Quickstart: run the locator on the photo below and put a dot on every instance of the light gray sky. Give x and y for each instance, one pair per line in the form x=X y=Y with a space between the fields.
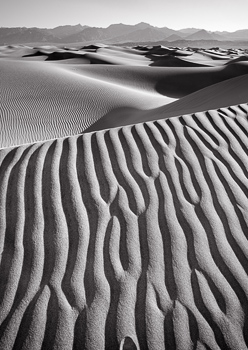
x=176 y=14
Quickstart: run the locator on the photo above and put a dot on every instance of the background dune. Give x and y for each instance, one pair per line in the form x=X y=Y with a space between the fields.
x=42 y=101
x=132 y=237
x=216 y=96
x=56 y=91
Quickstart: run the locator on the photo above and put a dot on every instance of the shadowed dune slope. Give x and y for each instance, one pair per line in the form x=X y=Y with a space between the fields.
x=232 y=91
x=47 y=100
x=128 y=238
x=175 y=82
x=220 y=95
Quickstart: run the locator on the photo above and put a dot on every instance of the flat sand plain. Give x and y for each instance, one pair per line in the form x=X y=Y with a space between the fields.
x=123 y=198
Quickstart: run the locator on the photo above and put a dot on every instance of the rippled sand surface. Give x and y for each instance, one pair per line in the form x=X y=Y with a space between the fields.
x=133 y=234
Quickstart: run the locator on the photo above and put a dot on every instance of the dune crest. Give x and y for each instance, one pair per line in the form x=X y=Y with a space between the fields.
x=128 y=238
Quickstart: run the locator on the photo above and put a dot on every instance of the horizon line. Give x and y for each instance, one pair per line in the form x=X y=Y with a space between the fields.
x=104 y=27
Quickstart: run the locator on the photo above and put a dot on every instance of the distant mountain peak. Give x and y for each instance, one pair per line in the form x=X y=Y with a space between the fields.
x=189 y=30
x=201 y=34
x=142 y=25
x=174 y=37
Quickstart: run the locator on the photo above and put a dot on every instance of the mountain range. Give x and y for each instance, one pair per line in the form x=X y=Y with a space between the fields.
x=114 y=34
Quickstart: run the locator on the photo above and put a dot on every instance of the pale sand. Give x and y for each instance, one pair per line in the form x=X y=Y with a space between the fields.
x=133 y=237
x=49 y=92
x=136 y=232
x=232 y=91
x=43 y=101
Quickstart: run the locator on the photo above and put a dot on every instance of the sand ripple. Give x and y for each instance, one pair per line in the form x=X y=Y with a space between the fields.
x=128 y=238
x=42 y=101
x=48 y=92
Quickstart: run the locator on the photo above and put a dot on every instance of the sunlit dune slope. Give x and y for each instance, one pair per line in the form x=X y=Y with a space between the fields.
x=49 y=92
x=41 y=101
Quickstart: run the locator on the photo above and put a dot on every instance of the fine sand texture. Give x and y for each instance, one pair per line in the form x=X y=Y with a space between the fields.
x=129 y=238
x=123 y=198
x=48 y=92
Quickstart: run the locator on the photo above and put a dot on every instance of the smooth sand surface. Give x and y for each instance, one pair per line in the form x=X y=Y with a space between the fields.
x=129 y=237
x=232 y=91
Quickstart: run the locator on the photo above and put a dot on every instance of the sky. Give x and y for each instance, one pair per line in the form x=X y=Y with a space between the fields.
x=175 y=14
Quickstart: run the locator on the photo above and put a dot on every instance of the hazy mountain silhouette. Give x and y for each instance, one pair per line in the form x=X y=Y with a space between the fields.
x=141 y=34
x=174 y=37
x=115 y=33
x=64 y=31
x=25 y=35
x=204 y=35
x=188 y=31
x=239 y=34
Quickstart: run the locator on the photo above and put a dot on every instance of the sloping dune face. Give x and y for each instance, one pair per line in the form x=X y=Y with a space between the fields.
x=128 y=238
x=49 y=92
x=42 y=101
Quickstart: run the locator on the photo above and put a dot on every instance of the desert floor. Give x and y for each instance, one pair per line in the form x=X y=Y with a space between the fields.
x=123 y=198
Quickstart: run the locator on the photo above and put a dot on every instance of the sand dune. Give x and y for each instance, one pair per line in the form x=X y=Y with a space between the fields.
x=217 y=96
x=42 y=101
x=49 y=92
x=128 y=238
x=123 y=198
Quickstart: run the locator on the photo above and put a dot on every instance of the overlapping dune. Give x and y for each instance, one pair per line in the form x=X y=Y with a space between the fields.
x=49 y=92
x=43 y=101
x=129 y=237
x=217 y=96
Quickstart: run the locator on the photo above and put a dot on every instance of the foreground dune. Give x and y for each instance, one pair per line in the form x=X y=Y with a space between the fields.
x=128 y=238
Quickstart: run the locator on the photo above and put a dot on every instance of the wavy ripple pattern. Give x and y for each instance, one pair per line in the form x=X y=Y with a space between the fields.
x=47 y=101
x=128 y=238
